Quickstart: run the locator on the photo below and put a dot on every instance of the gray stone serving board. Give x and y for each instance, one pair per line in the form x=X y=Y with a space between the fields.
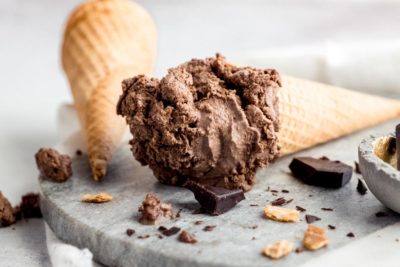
x=102 y=227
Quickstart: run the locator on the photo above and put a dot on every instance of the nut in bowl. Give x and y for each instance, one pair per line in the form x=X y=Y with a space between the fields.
x=378 y=159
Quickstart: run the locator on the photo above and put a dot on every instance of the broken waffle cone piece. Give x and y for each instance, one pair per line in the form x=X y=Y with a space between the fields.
x=312 y=113
x=105 y=41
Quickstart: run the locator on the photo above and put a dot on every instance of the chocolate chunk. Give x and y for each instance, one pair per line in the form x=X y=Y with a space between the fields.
x=299 y=250
x=312 y=218
x=301 y=209
x=327 y=209
x=351 y=235
x=30 y=206
x=209 y=228
x=278 y=202
x=357 y=167
x=285 y=191
x=154 y=211
x=274 y=191
x=7 y=216
x=361 y=187
x=185 y=237
x=332 y=227
x=52 y=165
x=130 y=232
x=78 y=152
x=397 y=145
x=215 y=200
x=171 y=231
x=323 y=173
x=381 y=214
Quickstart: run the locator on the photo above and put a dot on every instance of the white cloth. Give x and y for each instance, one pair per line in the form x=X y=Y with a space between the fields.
x=367 y=66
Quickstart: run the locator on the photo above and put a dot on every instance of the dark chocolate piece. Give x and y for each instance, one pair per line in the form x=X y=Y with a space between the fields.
x=332 y=227
x=215 y=200
x=162 y=228
x=185 y=237
x=299 y=250
x=357 y=167
x=78 y=152
x=178 y=214
x=361 y=187
x=30 y=206
x=312 y=218
x=301 y=209
x=327 y=209
x=171 y=231
x=130 y=232
x=278 y=202
x=255 y=226
x=198 y=222
x=380 y=214
x=143 y=236
x=274 y=191
x=285 y=191
x=289 y=201
x=209 y=228
x=321 y=172
x=53 y=165
x=253 y=205
x=351 y=235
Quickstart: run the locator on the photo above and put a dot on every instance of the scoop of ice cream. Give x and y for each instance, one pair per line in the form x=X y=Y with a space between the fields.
x=206 y=120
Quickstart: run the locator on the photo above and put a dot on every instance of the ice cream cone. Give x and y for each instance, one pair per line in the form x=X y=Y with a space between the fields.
x=312 y=113
x=105 y=41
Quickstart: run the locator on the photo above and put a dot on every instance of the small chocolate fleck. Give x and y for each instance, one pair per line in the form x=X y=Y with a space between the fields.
x=285 y=191
x=130 y=232
x=299 y=250
x=312 y=218
x=171 y=231
x=301 y=209
x=268 y=189
x=327 y=209
x=288 y=201
x=198 y=222
x=324 y=158
x=253 y=205
x=274 y=194
x=278 y=202
x=397 y=240
x=209 y=228
x=357 y=167
x=253 y=238
x=255 y=226
x=185 y=237
x=361 y=187
x=178 y=214
x=143 y=236
x=78 y=152
x=274 y=191
x=351 y=235
x=381 y=214
x=160 y=236
x=332 y=227
x=310 y=195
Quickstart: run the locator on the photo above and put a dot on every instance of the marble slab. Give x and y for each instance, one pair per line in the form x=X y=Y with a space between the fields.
x=234 y=242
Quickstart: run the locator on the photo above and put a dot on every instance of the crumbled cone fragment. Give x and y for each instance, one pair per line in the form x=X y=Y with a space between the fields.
x=278 y=249
x=154 y=211
x=280 y=214
x=97 y=198
x=315 y=238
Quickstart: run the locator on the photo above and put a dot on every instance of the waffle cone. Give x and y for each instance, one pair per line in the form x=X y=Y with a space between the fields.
x=105 y=41
x=312 y=113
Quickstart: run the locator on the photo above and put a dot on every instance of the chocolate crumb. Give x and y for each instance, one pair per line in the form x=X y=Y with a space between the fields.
x=324 y=158
x=209 y=228
x=143 y=236
x=185 y=237
x=78 y=152
x=255 y=226
x=327 y=209
x=53 y=165
x=357 y=167
x=299 y=250
x=278 y=202
x=160 y=236
x=178 y=214
x=380 y=214
x=198 y=222
x=288 y=201
x=268 y=189
x=130 y=232
x=274 y=191
x=301 y=209
x=253 y=205
x=274 y=194
x=312 y=218
x=310 y=195
x=351 y=235
x=332 y=227
x=171 y=231
x=30 y=206
x=285 y=191
x=154 y=211
x=361 y=187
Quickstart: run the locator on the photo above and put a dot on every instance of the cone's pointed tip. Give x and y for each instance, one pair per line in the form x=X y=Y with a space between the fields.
x=99 y=169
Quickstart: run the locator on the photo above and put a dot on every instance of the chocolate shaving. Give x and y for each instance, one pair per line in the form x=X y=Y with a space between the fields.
x=178 y=214
x=299 y=250
x=274 y=191
x=278 y=202
x=301 y=209
x=285 y=191
x=361 y=187
x=130 y=232
x=162 y=228
x=209 y=228
x=253 y=205
x=312 y=218
x=327 y=209
x=332 y=227
x=268 y=189
x=171 y=231
x=143 y=236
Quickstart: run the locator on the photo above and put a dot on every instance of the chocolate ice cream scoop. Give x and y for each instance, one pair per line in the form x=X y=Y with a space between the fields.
x=206 y=120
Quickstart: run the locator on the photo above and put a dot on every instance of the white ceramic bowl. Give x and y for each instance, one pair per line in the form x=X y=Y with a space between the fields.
x=382 y=179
